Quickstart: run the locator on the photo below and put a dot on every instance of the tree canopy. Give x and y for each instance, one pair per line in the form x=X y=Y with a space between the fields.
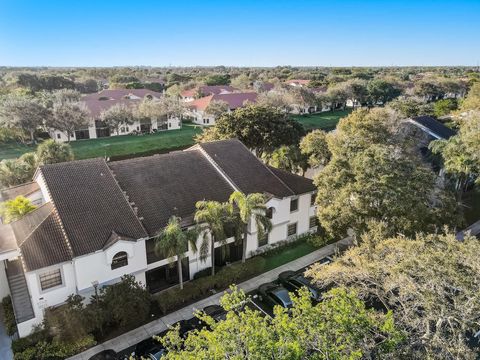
x=374 y=175
x=15 y=209
x=340 y=327
x=260 y=128
x=429 y=282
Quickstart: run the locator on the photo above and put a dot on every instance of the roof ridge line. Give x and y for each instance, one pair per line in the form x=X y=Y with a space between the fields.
x=57 y=214
x=269 y=170
x=36 y=227
x=217 y=167
x=123 y=192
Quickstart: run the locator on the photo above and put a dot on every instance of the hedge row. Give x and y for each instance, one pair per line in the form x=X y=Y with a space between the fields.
x=9 y=316
x=197 y=289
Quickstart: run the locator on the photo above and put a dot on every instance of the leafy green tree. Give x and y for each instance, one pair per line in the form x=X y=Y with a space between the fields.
x=428 y=89
x=127 y=302
x=461 y=153
x=356 y=90
x=340 y=327
x=315 y=146
x=287 y=158
x=116 y=116
x=411 y=107
x=23 y=112
x=69 y=116
x=260 y=128
x=162 y=109
x=374 y=175
x=173 y=241
x=51 y=152
x=472 y=100
x=382 y=91
x=217 y=108
x=242 y=82
x=430 y=283
x=217 y=79
x=17 y=171
x=251 y=207
x=15 y=209
x=337 y=95
x=279 y=99
x=444 y=107
x=211 y=217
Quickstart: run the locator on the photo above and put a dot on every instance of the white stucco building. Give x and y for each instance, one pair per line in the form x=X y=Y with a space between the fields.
x=103 y=100
x=97 y=221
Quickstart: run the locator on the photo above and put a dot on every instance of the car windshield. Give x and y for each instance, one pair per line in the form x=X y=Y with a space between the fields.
x=282 y=297
x=158 y=354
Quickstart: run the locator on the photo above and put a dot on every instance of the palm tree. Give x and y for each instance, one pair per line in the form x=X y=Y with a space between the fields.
x=251 y=205
x=173 y=242
x=210 y=218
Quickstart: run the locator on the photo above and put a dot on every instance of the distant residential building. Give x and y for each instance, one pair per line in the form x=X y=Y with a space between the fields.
x=205 y=90
x=98 y=102
x=298 y=82
x=197 y=108
x=97 y=221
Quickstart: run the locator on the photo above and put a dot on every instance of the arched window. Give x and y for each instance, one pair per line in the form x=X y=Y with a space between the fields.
x=120 y=259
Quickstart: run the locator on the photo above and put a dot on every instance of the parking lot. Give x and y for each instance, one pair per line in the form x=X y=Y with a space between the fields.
x=262 y=299
x=125 y=343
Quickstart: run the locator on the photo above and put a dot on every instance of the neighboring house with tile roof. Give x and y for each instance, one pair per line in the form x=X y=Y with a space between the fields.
x=98 y=102
x=197 y=108
x=205 y=90
x=298 y=82
x=97 y=221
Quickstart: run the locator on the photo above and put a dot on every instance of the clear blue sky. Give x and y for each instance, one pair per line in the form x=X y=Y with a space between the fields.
x=245 y=33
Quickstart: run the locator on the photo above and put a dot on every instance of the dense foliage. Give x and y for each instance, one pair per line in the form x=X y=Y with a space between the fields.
x=429 y=282
x=260 y=128
x=340 y=327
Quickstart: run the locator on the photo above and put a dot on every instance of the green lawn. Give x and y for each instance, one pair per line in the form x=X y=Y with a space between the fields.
x=326 y=120
x=287 y=254
x=120 y=146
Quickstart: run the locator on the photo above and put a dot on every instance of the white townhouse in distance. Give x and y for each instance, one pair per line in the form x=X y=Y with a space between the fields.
x=97 y=220
x=198 y=108
x=105 y=99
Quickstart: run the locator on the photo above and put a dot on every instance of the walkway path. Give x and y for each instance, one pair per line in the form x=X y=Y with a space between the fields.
x=134 y=336
x=5 y=342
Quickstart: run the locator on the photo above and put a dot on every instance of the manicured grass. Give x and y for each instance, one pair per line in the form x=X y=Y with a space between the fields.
x=287 y=254
x=120 y=146
x=326 y=120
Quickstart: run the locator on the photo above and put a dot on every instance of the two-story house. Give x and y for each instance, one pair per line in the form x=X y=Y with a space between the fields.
x=198 y=109
x=98 y=220
x=105 y=99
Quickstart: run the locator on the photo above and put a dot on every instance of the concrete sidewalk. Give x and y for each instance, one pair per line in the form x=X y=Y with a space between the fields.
x=134 y=336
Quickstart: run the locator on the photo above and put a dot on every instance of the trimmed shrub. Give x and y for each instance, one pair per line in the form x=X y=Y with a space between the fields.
x=44 y=350
x=202 y=287
x=9 y=316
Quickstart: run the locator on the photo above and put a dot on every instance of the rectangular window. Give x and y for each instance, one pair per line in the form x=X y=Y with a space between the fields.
x=313 y=221
x=58 y=136
x=292 y=229
x=50 y=279
x=312 y=199
x=262 y=241
x=293 y=205
x=152 y=256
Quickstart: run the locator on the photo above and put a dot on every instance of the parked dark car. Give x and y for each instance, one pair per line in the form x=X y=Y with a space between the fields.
x=189 y=325
x=105 y=355
x=275 y=294
x=325 y=260
x=149 y=349
x=293 y=281
x=216 y=312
